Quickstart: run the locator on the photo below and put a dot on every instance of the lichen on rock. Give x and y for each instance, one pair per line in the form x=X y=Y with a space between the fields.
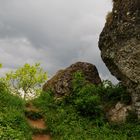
x=120 y=46
x=61 y=83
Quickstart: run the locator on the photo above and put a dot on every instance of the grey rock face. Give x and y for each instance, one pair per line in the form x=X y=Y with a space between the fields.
x=120 y=46
x=61 y=83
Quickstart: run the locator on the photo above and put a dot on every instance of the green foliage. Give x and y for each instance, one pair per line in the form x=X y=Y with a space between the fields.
x=78 y=81
x=111 y=94
x=0 y=65
x=13 y=125
x=86 y=97
x=28 y=78
x=80 y=116
x=88 y=102
x=3 y=86
x=132 y=117
x=65 y=123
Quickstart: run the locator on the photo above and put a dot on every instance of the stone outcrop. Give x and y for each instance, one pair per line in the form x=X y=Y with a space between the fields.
x=61 y=83
x=119 y=113
x=120 y=46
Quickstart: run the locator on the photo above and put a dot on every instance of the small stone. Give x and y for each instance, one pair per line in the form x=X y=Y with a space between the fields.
x=128 y=13
x=118 y=113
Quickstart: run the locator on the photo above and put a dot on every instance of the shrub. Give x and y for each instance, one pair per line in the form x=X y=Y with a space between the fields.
x=3 y=86
x=86 y=97
x=88 y=102
x=90 y=99
x=78 y=81
x=80 y=116
x=13 y=125
x=111 y=94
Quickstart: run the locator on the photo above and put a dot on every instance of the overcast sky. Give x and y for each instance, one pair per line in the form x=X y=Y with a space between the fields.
x=55 y=33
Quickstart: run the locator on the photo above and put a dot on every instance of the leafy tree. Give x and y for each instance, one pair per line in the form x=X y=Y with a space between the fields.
x=28 y=79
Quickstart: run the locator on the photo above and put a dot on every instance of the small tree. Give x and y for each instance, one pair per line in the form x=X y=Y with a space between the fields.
x=27 y=78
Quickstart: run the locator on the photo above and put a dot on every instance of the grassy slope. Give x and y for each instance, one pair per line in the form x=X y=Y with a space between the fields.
x=62 y=117
x=13 y=125
x=65 y=124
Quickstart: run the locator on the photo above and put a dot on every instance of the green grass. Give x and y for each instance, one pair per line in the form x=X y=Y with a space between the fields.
x=13 y=125
x=81 y=115
x=65 y=123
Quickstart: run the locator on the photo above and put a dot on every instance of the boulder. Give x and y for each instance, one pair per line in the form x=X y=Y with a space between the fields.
x=61 y=83
x=119 y=43
x=119 y=113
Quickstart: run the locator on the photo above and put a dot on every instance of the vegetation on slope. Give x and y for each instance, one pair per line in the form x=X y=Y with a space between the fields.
x=81 y=116
x=13 y=125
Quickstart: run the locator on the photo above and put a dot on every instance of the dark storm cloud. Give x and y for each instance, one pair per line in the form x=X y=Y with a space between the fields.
x=56 y=33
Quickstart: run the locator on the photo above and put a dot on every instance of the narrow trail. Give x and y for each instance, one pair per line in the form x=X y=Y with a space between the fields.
x=36 y=121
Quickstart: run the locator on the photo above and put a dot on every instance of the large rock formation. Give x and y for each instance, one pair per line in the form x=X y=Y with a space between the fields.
x=120 y=46
x=61 y=83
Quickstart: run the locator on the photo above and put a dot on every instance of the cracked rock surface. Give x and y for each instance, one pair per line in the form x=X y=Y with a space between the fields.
x=119 y=43
x=61 y=83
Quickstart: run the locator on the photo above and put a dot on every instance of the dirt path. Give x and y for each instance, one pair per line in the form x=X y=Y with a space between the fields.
x=37 y=122
x=41 y=137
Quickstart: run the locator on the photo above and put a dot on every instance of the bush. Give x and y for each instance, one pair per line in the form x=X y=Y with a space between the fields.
x=111 y=94
x=65 y=123
x=88 y=102
x=78 y=81
x=80 y=116
x=3 y=86
x=90 y=99
x=86 y=97
x=13 y=125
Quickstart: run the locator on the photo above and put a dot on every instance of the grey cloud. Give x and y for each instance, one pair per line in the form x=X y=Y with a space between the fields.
x=56 y=33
